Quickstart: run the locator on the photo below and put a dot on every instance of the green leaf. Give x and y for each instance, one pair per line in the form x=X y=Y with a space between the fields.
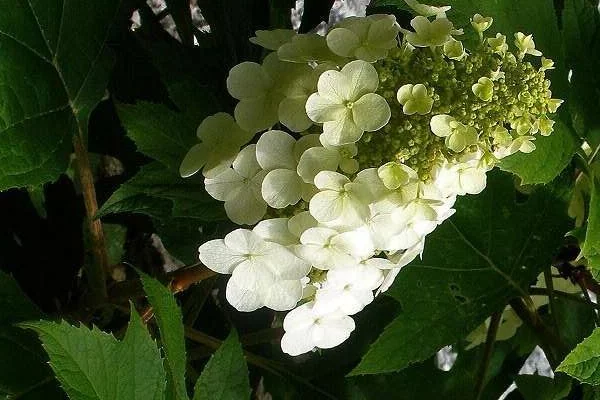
x=91 y=364
x=591 y=246
x=115 y=241
x=158 y=192
x=535 y=387
x=170 y=324
x=53 y=72
x=473 y=264
x=27 y=375
x=226 y=373
x=552 y=154
x=582 y=363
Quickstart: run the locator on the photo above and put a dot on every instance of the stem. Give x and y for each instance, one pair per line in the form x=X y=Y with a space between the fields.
x=548 y=340
x=97 y=269
x=551 y=302
x=261 y=362
x=590 y=302
x=487 y=353
x=564 y=295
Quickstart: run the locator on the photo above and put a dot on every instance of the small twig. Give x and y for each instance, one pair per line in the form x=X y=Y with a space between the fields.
x=97 y=269
x=564 y=295
x=487 y=353
x=261 y=362
x=589 y=301
x=548 y=340
x=551 y=301
x=262 y=336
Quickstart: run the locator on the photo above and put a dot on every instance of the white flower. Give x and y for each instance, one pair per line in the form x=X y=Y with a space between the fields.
x=454 y=49
x=415 y=221
x=276 y=230
x=339 y=201
x=348 y=288
x=415 y=99
x=458 y=136
x=367 y=39
x=481 y=23
x=306 y=328
x=326 y=248
x=430 y=33
x=317 y=159
x=547 y=64
x=524 y=144
x=272 y=39
x=498 y=44
x=346 y=103
x=240 y=188
x=221 y=139
x=526 y=45
x=260 y=90
x=307 y=48
x=427 y=10
x=401 y=259
x=277 y=152
x=484 y=88
x=263 y=273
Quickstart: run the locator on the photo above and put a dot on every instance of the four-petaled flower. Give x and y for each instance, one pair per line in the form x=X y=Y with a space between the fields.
x=484 y=88
x=346 y=103
x=367 y=39
x=264 y=273
x=481 y=23
x=221 y=139
x=526 y=45
x=458 y=136
x=430 y=33
x=414 y=99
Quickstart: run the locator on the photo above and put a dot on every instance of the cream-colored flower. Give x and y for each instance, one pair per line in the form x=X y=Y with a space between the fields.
x=414 y=99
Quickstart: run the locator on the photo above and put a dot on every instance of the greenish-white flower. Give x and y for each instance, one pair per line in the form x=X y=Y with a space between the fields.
x=221 y=139
x=553 y=104
x=454 y=49
x=240 y=188
x=481 y=23
x=346 y=104
x=524 y=144
x=484 y=88
x=546 y=125
x=414 y=99
x=394 y=175
x=430 y=33
x=272 y=39
x=498 y=44
x=317 y=159
x=546 y=64
x=526 y=45
x=427 y=10
x=307 y=48
x=367 y=39
x=458 y=136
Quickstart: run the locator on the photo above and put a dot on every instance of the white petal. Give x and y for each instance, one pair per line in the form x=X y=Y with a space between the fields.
x=292 y=113
x=193 y=161
x=301 y=222
x=341 y=131
x=247 y=80
x=296 y=342
x=333 y=330
x=326 y=206
x=357 y=243
x=218 y=257
x=221 y=186
x=248 y=286
x=322 y=109
x=315 y=160
x=275 y=230
x=363 y=78
x=283 y=263
x=440 y=125
x=331 y=180
x=283 y=295
x=473 y=180
x=257 y=114
x=371 y=112
x=245 y=208
x=272 y=39
x=245 y=163
x=335 y=86
x=342 y=41
x=275 y=149
x=281 y=188
x=244 y=241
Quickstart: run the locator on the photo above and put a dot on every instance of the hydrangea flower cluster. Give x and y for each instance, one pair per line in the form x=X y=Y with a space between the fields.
x=346 y=150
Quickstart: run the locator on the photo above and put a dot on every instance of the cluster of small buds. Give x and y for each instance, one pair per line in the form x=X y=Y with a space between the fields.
x=346 y=150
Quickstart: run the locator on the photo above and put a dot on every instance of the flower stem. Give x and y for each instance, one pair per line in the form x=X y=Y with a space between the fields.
x=487 y=353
